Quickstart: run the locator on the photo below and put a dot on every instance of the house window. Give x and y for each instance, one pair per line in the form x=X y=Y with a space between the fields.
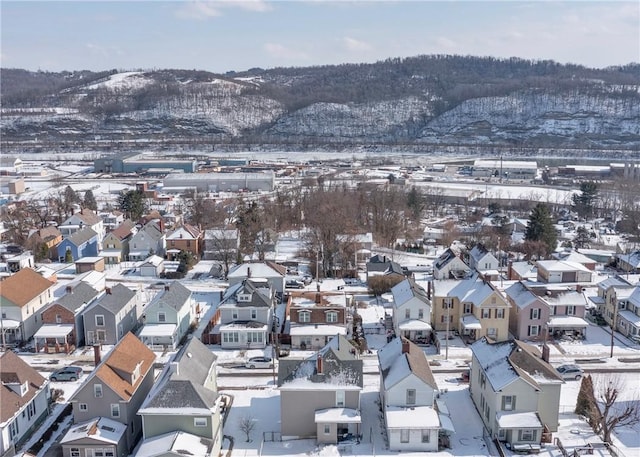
x=200 y=421
x=486 y=313
x=332 y=316
x=533 y=330
x=404 y=435
x=500 y=313
x=468 y=308
x=411 y=396
x=13 y=428
x=426 y=436
x=234 y=314
x=58 y=319
x=571 y=310
x=327 y=429
x=231 y=337
x=254 y=337
x=508 y=402
x=254 y=314
x=339 y=398
x=188 y=243
x=492 y=332
x=162 y=317
x=74 y=452
x=534 y=313
x=304 y=316
x=99 y=320
x=115 y=410
x=407 y=313
x=97 y=390
x=108 y=453
x=420 y=313
x=83 y=407
x=445 y=318
x=527 y=435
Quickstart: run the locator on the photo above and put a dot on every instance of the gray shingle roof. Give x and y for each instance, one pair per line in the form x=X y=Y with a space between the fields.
x=120 y=295
x=175 y=297
x=182 y=393
x=82 y=236
x=79 y=295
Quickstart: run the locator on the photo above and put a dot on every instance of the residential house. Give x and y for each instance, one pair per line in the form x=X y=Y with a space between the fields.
x=629 y=263
x=320 y=395
x=522 y=271
x=567 y=309
x=117 y=388
x=315 y=318
x=450 y=265
x=22 y=298
x=112 y=315
x=221 y=244
x=116 y=243
x=483 y=261
x=99 y=436
x=268 y=270
x=111 y=219
x=48 y=236
x=411 y=311
x=246 y=314
x=360 y=244
x=561 y=271
x=382 y=265
x=147 y=241
x=628 y=318
x=185 y=398
x=20 y=261
x=62 y=323
x=528 y=313
x=80 y=220
x=575 y=256
x=153 y=267
x=473 y=307
x=612 y=295
x=24 y=401
x=81 y=243
x=515 y=391
x=167 y=317
x=185 y=238
x=407 y=395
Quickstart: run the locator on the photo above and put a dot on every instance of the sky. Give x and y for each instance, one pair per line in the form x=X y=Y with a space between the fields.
x=222 y=36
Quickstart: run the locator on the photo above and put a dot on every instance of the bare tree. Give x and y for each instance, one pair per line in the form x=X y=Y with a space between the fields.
x=247 y=424
x=606 y=411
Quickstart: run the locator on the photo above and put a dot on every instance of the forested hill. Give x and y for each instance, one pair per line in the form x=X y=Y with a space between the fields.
x=416 y=102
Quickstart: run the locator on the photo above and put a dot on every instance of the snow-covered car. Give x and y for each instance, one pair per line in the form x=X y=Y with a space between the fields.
x=570 y=372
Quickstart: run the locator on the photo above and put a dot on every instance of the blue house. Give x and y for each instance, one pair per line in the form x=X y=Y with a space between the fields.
x=83 y=243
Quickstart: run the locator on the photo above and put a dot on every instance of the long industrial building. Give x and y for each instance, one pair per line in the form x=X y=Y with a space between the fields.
x=220 y=182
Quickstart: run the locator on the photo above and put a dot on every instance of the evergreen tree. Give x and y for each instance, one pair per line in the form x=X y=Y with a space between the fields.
x=133 y=204
x=584 y=201
x=540 y=227
x=586 y=399
x=90 y=201
x=582 y=238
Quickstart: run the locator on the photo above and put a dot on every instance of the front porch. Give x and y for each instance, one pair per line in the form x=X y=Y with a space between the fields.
x=159 y=336
x=470 y=328
x=244 y=335
x=10 y=332
x=519 y=429
x=313 y=336
x=416 y=331
x=55 y=338
x=567 y=327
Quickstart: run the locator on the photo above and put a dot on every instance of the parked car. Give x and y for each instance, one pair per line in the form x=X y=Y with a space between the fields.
x=294 y=284
x=570 y=372
x=70 y=373
x=259 y=362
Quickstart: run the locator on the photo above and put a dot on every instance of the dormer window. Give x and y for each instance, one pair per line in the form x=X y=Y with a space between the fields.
x=332 y=316
x=304 y=316
x=244 y=298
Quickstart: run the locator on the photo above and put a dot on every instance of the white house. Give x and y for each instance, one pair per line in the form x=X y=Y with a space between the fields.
x=411 y=311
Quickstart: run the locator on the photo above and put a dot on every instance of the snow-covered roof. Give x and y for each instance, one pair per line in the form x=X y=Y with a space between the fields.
x=54 y=331
x=100 y=429
x=630 y=317
x=567 y=321
x=177 y=443
x=321 y=329
x=398 y=362
x=473 y=290
x=470 y=322
x=335 y=415
x=151 y=330
x=520 y=295
x=406 y=290
x=511 y=419
x=417 y=417
x=414 y=324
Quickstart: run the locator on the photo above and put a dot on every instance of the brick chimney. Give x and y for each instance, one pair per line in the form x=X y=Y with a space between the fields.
x=96 y=354
x=510 y=271
x=248 y=272
x=319 y=364
x=318 y=299
x=108 y=290
x=406 y=346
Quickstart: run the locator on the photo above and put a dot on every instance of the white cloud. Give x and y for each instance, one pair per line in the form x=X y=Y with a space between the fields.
x=202 y=10
x=356 y=45
x=283 y=52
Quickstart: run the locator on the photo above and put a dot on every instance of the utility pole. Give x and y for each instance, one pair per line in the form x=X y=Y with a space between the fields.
x=613 y=321
x=446 y=338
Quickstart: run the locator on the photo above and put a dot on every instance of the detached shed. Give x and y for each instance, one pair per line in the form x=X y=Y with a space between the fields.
x=89 y=264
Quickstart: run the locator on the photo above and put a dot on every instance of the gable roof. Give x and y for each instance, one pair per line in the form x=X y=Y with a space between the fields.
x=175 y=295
x=14 y=370
x=86 y=215
x=175 y=444
x=186 y=232
x=408 y=289
x=123 y=230
x=125 y=357
x=115 y=300
x=101 y=429
x=396 y=364
x=473 y=290
x=23 y=286
x=82 y=236
x=256 y=270
x=507 y=361
x=521 y=295
x=82 y=294
x=260 y=295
